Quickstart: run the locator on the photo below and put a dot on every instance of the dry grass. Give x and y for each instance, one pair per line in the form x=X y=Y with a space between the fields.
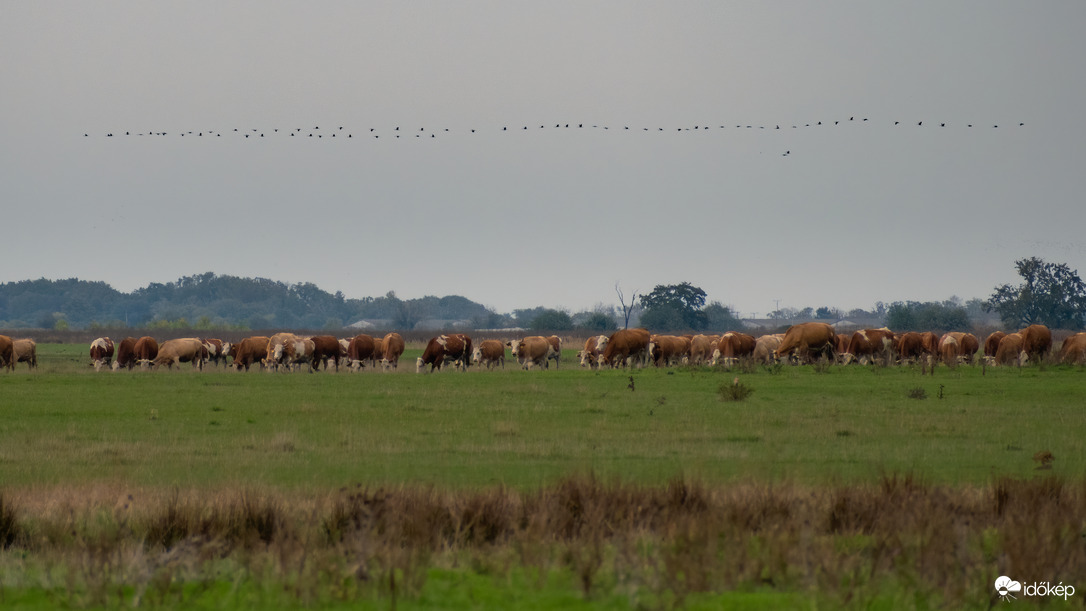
x=664 y=543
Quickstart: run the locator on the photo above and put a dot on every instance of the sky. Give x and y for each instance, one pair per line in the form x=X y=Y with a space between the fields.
x=893 y=197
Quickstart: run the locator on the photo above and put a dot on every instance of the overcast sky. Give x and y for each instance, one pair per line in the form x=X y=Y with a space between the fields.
x=874 y=208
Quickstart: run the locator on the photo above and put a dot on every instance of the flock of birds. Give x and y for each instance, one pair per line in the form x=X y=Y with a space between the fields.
x=422 y=132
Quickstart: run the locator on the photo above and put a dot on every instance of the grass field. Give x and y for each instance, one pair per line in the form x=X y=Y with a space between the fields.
x=197 y=441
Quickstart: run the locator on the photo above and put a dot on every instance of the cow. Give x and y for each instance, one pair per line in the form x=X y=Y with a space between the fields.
x=701 y=349
x=867 y=345
x=671 y=349
x=765 y=347
x=531 y=351
x=325 y=348
x=293 y=352
x=1073 y=350
x=126 y=354
x=24 y=351
x=929 y=345
x=991 y=345
x=276 y=355
x=489 y=353
x=840 y=344
x=7 y=352
x=392 y=347
x=216 y=350
x=804 y=340
x=250 y=350
x=181 y=350
x=1010 y=350
x=970 y=345
x=443 y=349
x=625 y=346
x=590 y=355
x=733 y=346
x=360 y=349
x=909 y=346
x=556 y=354
x=949 y=350
x=101 y=353
x=1036 y=341
x=145 y=351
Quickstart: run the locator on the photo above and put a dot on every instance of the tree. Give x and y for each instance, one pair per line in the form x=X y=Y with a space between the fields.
x=1052 y=294
x=598 y=321
x=627 y=310
x=927 y=316
x=719 y=317
x=673 y=307
x=552 y=320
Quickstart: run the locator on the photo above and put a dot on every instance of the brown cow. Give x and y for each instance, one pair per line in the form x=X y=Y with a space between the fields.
x=733 y=346
x=489 y=353
x=454 y=348
x=765 y=347
x=867 y=345
x=969 y=345
x=392 y=347
x=325 y=348
x=181 y=350
x=126 y=354
x=909 y=346
x=531 y=351
x=248 y=351
x=991 y=344
x=701 y=349
x=929 y=345
x=145 y=351
x=1073 y=350
x=101 y=353
x=556 y=354
x=24 y=351
x=949 y=350
x=671 y=349
x=840 y=344
x=1010 y=350
x=7 y=352
x=359 y=350
x=625 y=346
x=806 y=339
x=1036 y=341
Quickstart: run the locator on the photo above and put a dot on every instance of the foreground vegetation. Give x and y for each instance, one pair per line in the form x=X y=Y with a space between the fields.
x=853 y=486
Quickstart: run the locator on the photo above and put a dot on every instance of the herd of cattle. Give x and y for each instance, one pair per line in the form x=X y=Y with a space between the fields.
x=801 y=343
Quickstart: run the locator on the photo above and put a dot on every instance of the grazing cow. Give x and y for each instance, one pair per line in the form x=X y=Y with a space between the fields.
x=1010 y=350
x=866 y=345
x=360 y=349
x=1036 y=341
x=556 y=354
x=733 y=346
x=969 y=345
x=392 y=347
x=101 y=353
x=489 y=353
x=765 y=347
x=590 y=355
x=701 y=349
x=444 y=349
x=145 y=351
x=991 y=345
x=1073 y=350
x=325 y=348
x=909 y=346
x=7 y=352
x=248 y=351
x=949 y=350
x=929 y=345
x=126 y=354
x=531 y=351
x=216 y=350
x=805 y=340
x=840 y=344
x=182 y=350
x=24 y=351
x=625 y=346
x=671 y=349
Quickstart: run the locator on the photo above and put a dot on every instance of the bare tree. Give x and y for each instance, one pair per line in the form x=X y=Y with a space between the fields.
x=627 y=310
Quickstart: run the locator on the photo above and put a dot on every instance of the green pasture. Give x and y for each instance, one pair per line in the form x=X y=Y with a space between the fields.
x=63 y=423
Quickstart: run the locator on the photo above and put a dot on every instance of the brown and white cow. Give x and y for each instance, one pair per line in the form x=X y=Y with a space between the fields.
x=556 y=354
x=1010 y=351
x=217 y=350
x=1073 y=350
x=325 y=348
x=589 y=357
x=733 y=346
x=625 y=347
x=950 y=350
x=7 y=352
x=531 y=351
x=765 y=347
x=453 y=348
x=909 y=346
x=145 y=351
x=292 y=354
x=701 y=349
x=970 y=345
x=991 y=345
x=489 y=353
x=359 y=350
x=1036 y=341
x=24 y=351
x=392 y=347
x=869 y=344
x=248 y=351
x=181 y=350
x=668 y=350
x=807 y=340
x=276 y=355
x=101 y=353
x=840 y=344
x=126 y=354
x=929 y=345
